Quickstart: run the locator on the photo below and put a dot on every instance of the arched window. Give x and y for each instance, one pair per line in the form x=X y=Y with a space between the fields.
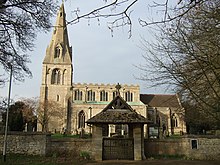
x=90 y=95
x=57 y=52
x=69 y=115
x=64 y=77
x=103 y=96
x=58 y=98
x=77 y=95
x=81 y=116
x=114 y=94
x=55 y=79
x=174 y=120
x=128 y=96
x=58 y=77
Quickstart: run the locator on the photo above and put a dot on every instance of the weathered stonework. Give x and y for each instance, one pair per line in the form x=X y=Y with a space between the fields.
x=70 y=146
x=207 y=147
x=97 y=142
x=138 y=142
x=26 y=143
x=42 y=144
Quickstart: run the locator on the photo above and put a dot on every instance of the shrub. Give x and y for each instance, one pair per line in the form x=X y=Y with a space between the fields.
x=85 y=155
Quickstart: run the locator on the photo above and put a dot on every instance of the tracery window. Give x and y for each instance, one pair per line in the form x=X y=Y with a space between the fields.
x=81 y=121
x=128 y=96
x=77 y=95
x=90 y=95
x=103 y=96
x=56 y=76
x=174 y=121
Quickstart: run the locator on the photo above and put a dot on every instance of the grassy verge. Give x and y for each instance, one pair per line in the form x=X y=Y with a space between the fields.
x=85 y=136
x=178 y=157
x=18 y=159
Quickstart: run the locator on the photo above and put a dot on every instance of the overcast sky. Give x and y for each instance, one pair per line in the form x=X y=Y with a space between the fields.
x=97 y=56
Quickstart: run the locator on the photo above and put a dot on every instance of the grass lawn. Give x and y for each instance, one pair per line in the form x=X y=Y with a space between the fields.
x=17 y=159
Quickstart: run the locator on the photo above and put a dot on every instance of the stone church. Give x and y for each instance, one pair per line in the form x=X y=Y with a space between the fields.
x=81 y=101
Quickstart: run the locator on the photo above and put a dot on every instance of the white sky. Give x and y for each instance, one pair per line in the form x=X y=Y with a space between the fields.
x=97 y=56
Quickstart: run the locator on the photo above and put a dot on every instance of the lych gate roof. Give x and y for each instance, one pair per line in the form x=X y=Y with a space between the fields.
x=118 y=112
x=160 y=100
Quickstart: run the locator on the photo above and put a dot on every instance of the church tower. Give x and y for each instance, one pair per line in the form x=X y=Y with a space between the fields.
x=57 y=72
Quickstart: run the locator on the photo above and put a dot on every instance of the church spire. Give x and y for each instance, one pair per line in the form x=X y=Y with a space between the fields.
x=59 y=50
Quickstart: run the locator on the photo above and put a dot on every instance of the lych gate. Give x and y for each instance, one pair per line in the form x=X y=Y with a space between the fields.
x=126 y=142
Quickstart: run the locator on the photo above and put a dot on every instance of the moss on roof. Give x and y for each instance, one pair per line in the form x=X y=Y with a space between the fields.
x=118 y=111
x=115 y=116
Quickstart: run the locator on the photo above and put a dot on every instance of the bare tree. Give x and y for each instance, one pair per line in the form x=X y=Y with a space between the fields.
x=3 y=104
x=119 y=12
x=47 y=111
x=20 y=20
x=29 y=112
x=187 y=55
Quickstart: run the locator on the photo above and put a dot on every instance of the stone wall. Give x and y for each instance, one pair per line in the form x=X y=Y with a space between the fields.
x=26 y=143
x=43 y=144
x=70 y=146
x=193 y=147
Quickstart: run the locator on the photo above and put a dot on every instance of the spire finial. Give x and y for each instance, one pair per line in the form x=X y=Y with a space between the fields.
x=118 y=87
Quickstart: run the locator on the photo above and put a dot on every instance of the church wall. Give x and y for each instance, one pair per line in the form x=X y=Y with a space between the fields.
x=92 y=109
x=110 y=88
x=164 y=114
x=141 y=109
x=96 y=106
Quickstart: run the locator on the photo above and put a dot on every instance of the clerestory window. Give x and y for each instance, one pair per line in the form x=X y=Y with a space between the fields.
x=77 y=95
x=103 y=96
x=114 y=94
x=90 y=95
x=128 y=96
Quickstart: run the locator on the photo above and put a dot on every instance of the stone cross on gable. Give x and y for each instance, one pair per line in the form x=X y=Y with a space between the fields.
x=118 y=87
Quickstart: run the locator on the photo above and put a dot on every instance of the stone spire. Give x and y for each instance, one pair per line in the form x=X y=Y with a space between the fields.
x=59 y=50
